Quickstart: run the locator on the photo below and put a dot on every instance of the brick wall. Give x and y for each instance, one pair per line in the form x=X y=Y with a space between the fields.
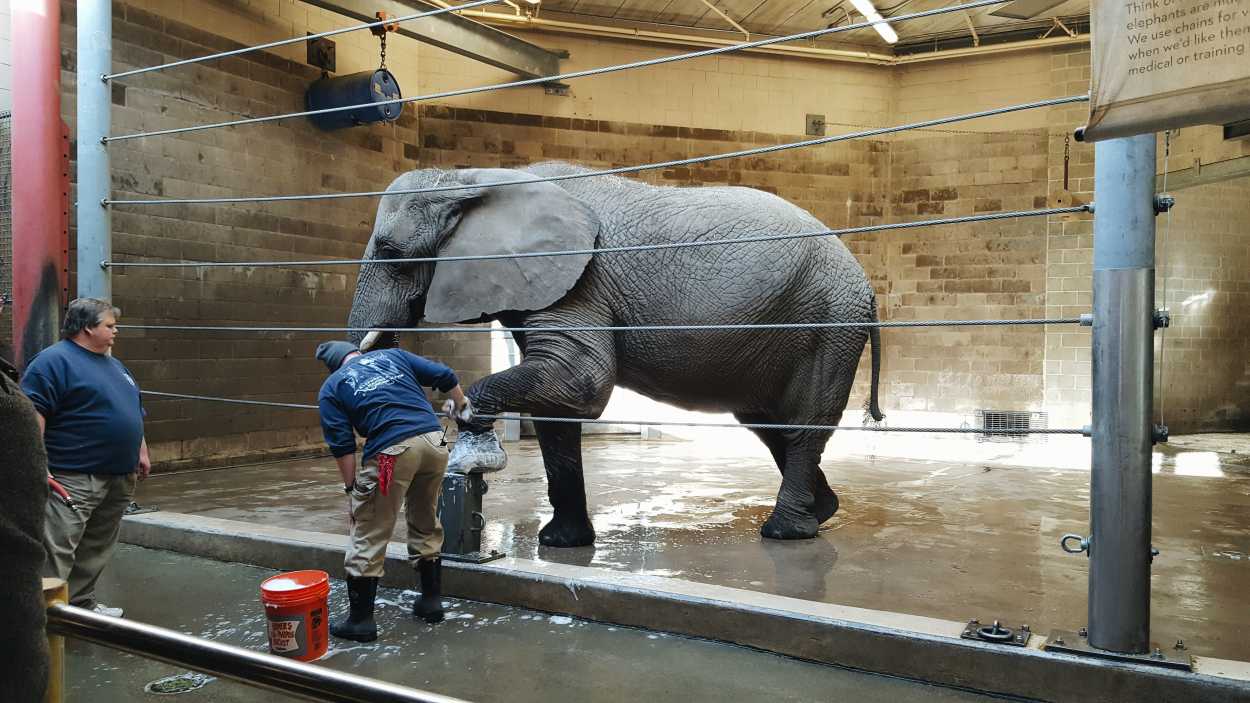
x=1203 y=278
x=6 y=213
x=1069 y=245
x=842 y=184
x=746 y=92
x=988 y=270
x=1027 y=268
x=6 y=58
x=6 y=236
x=283 y=157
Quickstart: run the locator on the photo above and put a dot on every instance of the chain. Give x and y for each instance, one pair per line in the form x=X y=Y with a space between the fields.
x=1067 y=154
x=384 y=27
x=1167 y=228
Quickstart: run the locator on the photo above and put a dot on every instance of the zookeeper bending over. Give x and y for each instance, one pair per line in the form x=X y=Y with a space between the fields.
x=379 y=396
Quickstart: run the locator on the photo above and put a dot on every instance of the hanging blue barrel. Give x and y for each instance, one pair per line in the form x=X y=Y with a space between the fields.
x=355 y=89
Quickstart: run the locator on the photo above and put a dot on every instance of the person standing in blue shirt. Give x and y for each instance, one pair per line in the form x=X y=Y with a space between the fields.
x=92 y=422
x=380 y=396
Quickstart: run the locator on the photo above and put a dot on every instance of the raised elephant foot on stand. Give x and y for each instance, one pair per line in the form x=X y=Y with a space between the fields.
x=477 y=451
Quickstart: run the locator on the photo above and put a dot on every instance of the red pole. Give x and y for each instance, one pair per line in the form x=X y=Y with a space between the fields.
x=40 y=259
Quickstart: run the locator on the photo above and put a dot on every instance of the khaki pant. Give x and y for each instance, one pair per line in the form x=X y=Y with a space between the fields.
x=418 y=479
x=80 y=544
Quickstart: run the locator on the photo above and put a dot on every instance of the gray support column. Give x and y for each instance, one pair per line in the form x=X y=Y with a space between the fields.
x=1123 y=359
x=95 y=58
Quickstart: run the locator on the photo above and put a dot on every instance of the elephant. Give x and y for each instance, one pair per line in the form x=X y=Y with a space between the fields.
x=774 y=376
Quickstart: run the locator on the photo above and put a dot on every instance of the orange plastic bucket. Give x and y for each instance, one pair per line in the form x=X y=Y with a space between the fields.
x=296 y=606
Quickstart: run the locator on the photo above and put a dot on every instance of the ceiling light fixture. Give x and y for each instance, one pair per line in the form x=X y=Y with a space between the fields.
x=870 y=13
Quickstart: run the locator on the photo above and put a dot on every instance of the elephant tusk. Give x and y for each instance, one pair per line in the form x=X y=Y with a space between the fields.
x=370 y=339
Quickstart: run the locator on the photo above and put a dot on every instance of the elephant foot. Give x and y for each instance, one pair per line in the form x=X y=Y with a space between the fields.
x=567 y=533
x=779 y=527
x=478 y=452
x=826 y=506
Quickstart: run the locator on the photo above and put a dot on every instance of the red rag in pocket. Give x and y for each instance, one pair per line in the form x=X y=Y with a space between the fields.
x=386 y=471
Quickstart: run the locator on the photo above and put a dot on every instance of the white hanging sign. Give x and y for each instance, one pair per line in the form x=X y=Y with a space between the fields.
x=1163 y=64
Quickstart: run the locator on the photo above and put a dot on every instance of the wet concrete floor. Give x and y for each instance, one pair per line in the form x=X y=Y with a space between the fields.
x=970 y=532
x=481 y=653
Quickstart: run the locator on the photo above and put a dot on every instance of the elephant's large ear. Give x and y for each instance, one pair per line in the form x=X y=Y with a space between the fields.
x=506 y=220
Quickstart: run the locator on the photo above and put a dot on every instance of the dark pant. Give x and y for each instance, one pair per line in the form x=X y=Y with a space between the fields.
x=80 y=543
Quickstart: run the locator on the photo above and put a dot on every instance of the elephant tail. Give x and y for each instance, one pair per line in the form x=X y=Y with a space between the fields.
x=874 y=339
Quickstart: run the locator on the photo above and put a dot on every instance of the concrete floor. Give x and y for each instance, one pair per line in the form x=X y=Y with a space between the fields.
x=974 y=533
x=481 y=653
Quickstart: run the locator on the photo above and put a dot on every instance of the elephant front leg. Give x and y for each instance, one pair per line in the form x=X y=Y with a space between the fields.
x=563 y=375
x=570 y=526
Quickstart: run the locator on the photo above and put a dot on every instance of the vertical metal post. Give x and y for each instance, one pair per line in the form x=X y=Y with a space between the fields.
x=55 y=591
x=1123 y=359
x=95 y=59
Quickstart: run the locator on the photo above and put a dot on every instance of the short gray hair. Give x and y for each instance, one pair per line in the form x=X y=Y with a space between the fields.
x=85 y=313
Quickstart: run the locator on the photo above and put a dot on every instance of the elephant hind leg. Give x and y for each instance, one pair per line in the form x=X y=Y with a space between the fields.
x=775 y=440
x=805 y=499
x=824 y=500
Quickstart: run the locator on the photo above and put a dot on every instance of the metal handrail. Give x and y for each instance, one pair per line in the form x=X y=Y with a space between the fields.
x=266 y=671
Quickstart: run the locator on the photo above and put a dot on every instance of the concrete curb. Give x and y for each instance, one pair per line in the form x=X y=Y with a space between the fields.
x=913 y=647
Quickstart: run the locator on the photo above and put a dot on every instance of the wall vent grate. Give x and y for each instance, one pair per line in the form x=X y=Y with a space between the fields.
x=1010 y=420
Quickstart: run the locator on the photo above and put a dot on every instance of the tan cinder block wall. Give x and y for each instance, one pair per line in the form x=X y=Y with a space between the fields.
x=991 y=270
x=1203 y=278
x=284 y=157
x=843 y=184
x=755 y=92
x=935 y=89
x=1012 y=269
x=1070 y=246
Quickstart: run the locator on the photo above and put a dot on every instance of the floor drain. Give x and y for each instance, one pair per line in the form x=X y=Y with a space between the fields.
x=178 y=683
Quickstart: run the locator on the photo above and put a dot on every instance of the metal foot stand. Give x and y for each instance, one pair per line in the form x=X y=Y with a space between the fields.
x=460 y=510
x=1175 y=657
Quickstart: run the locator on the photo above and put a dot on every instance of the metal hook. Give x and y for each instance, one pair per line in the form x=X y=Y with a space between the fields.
x=1082 y=544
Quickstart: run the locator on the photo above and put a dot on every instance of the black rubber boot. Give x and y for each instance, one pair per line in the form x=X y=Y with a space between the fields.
x=429 y=607
x=358 y=625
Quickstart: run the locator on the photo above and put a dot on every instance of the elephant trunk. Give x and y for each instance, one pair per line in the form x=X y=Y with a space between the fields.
x=383 y=300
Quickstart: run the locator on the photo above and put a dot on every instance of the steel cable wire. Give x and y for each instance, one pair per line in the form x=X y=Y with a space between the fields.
x=757 y=151
x=663 y=423
x=891 y=324
x=565 y=76
x=966 y=219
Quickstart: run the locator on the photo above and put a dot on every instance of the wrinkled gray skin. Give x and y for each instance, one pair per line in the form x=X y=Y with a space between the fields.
x=782 y=376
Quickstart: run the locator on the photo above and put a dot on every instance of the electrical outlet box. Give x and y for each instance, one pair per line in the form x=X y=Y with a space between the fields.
x=815 y=125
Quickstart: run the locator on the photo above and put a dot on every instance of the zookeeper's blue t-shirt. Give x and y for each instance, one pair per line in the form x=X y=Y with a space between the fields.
x=91 y=406
x=380 y=396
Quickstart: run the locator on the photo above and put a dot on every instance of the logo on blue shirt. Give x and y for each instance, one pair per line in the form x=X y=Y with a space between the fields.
x=369 y=373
